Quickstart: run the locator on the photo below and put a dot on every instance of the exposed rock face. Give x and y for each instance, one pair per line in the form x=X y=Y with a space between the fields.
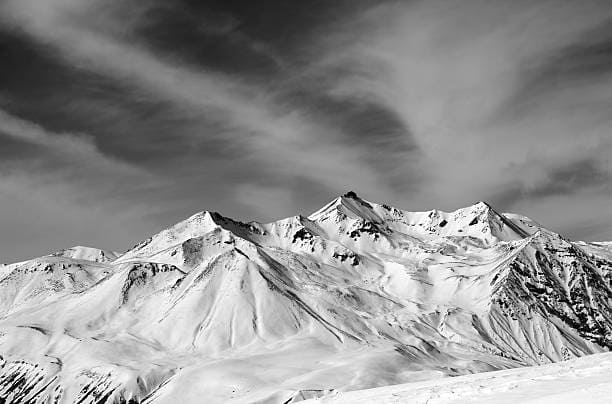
x=356 y=295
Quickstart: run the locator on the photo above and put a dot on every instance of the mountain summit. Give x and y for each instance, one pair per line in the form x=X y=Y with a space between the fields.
x=353 y=296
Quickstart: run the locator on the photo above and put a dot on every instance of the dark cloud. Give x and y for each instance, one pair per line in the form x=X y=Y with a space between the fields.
x=572 y=178
x=206 y=38
x=358 y=122
x=254 y=40
x=126 y=121
x=285 y=26
x=141 y=113
x=15 y=150
x=587 y=60
x=563 y=180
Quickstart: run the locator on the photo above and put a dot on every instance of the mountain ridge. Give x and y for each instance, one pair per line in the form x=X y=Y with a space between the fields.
x=413 y=294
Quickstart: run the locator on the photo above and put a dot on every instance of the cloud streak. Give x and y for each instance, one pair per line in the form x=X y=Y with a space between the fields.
x=249 y=115
x=498 y=95
x=76 y=147
x=263 y=112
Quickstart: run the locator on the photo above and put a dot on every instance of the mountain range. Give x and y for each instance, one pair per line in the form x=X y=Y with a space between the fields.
x=354 y=296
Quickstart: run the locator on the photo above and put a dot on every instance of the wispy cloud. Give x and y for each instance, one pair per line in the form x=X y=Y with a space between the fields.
x=68 y=192
x=420 y=104
x=249 y=115
x=498 y=95
x=79 y=148
x=275 y=144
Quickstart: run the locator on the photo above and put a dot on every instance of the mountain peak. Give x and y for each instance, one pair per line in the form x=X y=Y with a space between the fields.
x=351 y=194
x=479 y=207
x=482 y=205
x=427 y=289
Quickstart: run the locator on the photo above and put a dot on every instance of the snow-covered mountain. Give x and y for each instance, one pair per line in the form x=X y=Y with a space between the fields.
x=354 y=296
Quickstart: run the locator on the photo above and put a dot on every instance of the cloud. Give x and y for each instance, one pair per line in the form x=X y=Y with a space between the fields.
x=73 y=162
x=195 y=114
x=249 y=115
x=66 y=192
x=459 y=73
x=75 y=147
x=418 y=104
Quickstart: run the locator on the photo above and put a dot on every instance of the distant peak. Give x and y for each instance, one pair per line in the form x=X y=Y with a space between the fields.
x=204 y=213
x=482 y=204
x=75 y=249
x=351 y=194
x=214 y=214
x=86 y=253
x=479 y=207
x=208 y=216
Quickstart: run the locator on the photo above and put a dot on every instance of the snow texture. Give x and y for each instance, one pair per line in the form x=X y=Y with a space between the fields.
x=354 y=296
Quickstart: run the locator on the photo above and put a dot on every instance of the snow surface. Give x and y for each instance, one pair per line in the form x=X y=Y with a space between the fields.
x=87 y=254
x=582 y=380
x=354 y=296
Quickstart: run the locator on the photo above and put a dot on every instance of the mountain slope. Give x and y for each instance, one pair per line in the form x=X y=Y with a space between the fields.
x=353 y=296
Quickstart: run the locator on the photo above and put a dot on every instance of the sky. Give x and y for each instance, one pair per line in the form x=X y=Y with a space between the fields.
x=118 y=119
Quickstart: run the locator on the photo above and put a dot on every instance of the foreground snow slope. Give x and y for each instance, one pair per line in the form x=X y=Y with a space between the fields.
x=354 y=296
x=582 y=380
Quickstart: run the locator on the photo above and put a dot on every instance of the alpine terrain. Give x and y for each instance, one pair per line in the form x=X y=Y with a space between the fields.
x=355 y=296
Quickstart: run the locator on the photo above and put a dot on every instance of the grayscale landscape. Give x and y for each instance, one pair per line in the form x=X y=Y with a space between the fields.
x=272 y=202
x=354 y=296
